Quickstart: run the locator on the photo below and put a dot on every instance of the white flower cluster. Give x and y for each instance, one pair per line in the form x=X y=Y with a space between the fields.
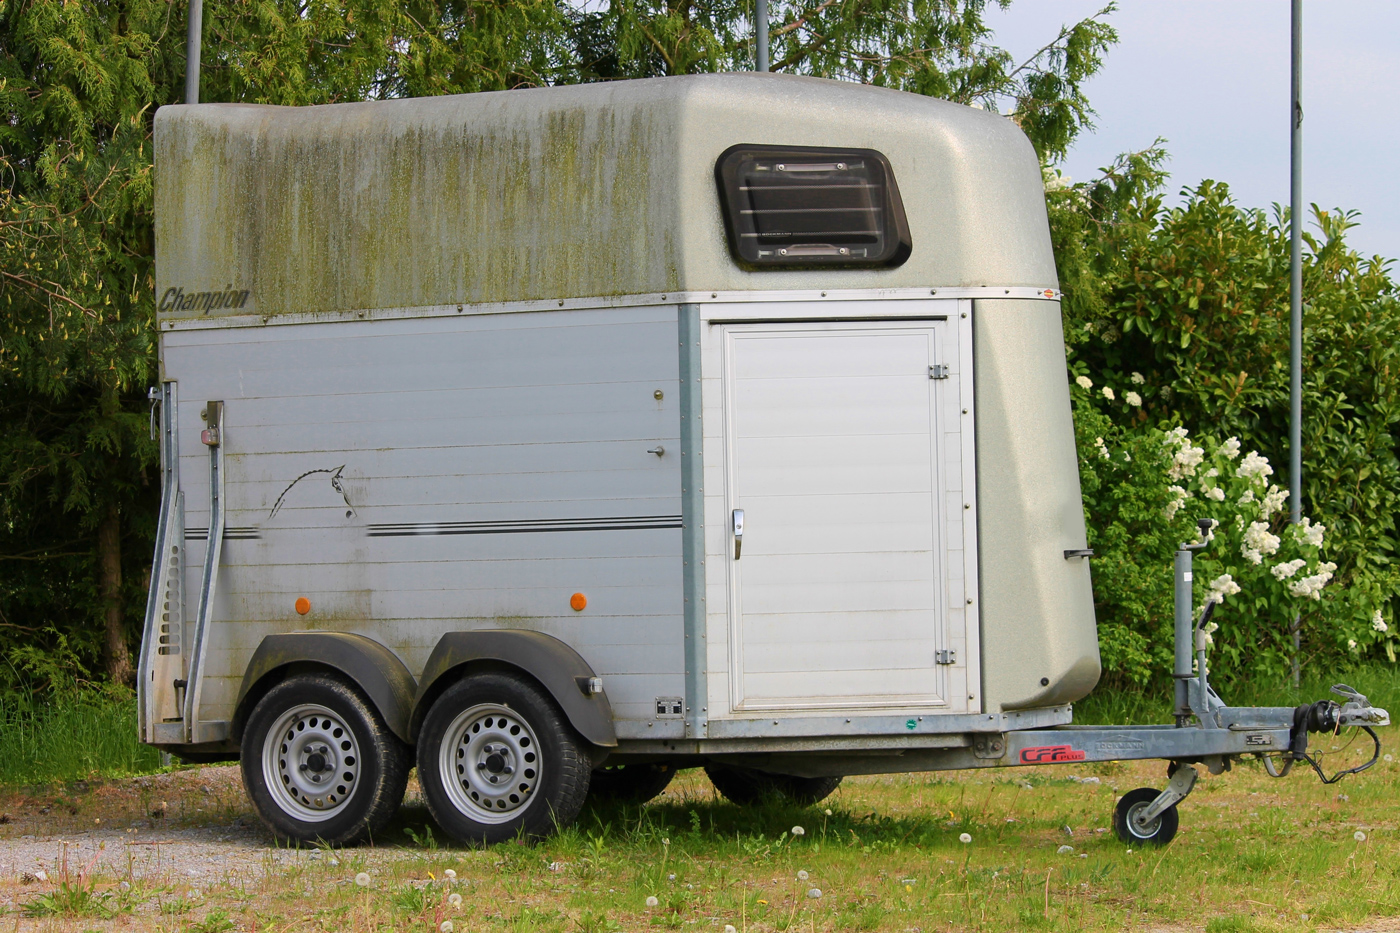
x=1216 y=493
x=1258 y=542
x=1253 y=466
x=1311 y=587
x=1222 y=586
x=1272 y=502
x=1230 y=449
x=1101 y=447
x=1133 y=399
x=1378 y=622
x=1186 y=458
x=1084 y=382
x=1136 y=379
x=1310 y=533
x=1179 y=497
x=1107 y=393
x=1287 y=569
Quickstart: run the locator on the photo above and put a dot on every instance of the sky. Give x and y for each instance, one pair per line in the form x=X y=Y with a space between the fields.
x=1212 y=78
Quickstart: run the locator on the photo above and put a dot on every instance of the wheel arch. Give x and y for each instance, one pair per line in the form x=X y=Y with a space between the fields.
x=555 y=666
x=370 y=666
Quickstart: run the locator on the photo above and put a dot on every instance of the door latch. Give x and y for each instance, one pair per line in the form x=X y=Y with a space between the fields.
x=738 y=532
x=946 y=656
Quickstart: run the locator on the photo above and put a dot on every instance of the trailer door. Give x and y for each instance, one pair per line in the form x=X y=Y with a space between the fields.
x=845 y=467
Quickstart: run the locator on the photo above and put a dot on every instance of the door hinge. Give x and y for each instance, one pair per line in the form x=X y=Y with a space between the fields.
x=946 y=656
x=938 y=371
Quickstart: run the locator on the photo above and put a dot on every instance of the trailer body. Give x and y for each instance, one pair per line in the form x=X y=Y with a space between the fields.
x=477 y=354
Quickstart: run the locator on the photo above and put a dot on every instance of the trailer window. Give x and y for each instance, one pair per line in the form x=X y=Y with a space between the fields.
x=790 y=207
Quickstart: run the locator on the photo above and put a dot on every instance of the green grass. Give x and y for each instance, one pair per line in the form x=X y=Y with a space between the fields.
x=61 y=739
x=1109 y=706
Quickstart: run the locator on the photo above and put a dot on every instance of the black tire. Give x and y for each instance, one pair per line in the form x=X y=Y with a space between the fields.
x=531 y=770
x=745 y=786
x=630 y=783
x=331 y=732
x=1158 y=833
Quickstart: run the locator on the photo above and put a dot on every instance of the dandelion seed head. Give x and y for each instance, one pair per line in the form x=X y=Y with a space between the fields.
x=445 y=926
x=802 y=874
x=814 y=893
x=965 y=838
x=1065 y=850
x=450 y=875
x=799 y=831
x=652 y=901
x=455 y=900
x=1359 y=836
x=362 y=879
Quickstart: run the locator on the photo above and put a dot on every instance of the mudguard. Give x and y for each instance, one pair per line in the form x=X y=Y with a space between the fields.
x=371 y=666
x=557 y=667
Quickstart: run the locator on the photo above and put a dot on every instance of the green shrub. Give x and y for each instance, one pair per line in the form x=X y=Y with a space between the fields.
x=1179 y=318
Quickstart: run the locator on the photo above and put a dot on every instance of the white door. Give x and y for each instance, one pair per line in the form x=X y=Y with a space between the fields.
x=839 y=446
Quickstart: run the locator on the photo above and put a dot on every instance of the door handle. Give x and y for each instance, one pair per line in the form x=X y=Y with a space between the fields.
x=738 y=532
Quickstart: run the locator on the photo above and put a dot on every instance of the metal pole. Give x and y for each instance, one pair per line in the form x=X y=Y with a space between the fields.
x=192 y=40
x=1295 y=373
x=761 y=41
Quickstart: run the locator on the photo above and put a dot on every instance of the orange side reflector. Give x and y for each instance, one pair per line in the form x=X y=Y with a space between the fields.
x=303 y=605
x=578 y=601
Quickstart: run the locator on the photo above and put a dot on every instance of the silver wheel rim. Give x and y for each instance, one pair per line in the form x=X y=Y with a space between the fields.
x=1142 y=832
x=490 y=763
x=311 y=763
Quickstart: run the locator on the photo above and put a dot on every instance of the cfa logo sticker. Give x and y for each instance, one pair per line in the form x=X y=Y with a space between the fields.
x=1049 y=754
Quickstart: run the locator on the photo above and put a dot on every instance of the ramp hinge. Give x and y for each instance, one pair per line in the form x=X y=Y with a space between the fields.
x=938 y=371
x=946 y=656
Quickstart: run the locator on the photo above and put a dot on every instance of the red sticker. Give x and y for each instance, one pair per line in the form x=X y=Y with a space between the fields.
x=1050 y=754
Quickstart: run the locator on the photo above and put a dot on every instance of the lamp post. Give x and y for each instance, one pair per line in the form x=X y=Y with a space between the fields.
x=192 y=39
x=1295 y=372
x=761 y=40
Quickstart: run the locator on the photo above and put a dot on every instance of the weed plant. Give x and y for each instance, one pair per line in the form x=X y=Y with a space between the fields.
x=71 y=736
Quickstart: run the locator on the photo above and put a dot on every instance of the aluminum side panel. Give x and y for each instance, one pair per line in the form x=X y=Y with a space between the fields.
x=415 y=477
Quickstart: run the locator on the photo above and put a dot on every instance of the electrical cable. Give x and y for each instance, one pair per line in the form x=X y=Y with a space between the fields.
x=1375 y=757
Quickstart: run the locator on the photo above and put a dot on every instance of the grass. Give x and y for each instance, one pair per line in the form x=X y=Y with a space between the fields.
x=1253 y=854
x=70 y=738
x=1109 y=706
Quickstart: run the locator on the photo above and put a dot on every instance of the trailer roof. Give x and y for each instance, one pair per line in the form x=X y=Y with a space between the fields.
x=556 y=193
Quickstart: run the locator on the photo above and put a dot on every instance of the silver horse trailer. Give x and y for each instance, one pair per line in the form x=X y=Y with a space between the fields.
x=565 y=437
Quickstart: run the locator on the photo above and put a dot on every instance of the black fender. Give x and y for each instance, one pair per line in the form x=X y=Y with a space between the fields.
x=372 y=667
x=557 y=667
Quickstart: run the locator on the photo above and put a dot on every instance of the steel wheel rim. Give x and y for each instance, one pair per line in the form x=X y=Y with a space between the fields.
x=1142 y=832
x=490 y=762
x=311 y=762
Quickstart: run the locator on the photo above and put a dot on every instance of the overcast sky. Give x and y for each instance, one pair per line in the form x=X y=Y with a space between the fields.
x=1212 y=77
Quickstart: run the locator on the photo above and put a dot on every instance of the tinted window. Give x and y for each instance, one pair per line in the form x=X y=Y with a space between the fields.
x=811 y=207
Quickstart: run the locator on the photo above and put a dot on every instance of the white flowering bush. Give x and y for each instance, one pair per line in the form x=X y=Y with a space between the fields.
x=1144 y=489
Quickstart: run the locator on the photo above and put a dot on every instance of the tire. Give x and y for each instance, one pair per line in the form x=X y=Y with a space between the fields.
x=319 y=764
x=745 y=786
x=1158 y=833
x=531 y=770
x=630 y=783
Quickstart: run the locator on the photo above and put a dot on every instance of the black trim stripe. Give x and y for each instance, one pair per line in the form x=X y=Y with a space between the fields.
x=525 y=526
x=250 y=533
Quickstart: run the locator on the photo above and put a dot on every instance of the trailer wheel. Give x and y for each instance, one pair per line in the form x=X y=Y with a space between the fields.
x=498 y=760
x=1159 y=832
x=631 y=783
x=319 y=763
x=746 y=786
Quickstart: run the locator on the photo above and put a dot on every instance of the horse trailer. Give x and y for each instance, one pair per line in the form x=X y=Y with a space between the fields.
x=560 y=438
